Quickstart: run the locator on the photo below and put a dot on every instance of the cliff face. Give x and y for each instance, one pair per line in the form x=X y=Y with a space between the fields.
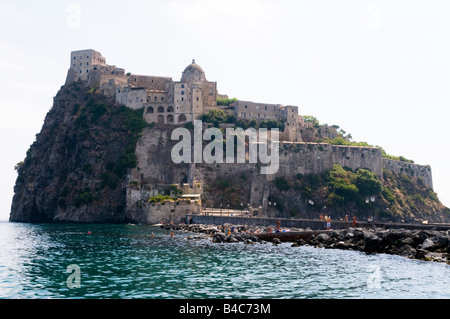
x=76 y=169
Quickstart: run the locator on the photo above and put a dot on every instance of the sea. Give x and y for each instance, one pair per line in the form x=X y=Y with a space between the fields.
x=72 y=261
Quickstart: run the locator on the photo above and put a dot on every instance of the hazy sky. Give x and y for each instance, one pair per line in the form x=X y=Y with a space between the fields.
x=379 y=69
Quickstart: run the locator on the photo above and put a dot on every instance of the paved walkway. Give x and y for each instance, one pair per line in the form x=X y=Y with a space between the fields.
x=314 y=224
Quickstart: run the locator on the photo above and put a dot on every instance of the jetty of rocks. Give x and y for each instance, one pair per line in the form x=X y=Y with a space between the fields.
x=430 y=245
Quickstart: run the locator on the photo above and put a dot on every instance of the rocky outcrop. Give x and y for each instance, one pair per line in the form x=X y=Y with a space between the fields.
x=415 y=244
x=76 y=169
x=428 y=245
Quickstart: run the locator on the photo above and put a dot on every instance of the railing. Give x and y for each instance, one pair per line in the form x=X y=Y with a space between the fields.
x=226 y=212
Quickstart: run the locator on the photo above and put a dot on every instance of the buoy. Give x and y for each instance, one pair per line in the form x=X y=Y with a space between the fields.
x=89 y=232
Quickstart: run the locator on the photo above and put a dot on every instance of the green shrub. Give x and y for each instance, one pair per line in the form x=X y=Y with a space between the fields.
x=282 y=184
x=226 y=101
x=367 y=183
x=84 y=197
x=126 y=160
x=159 y=198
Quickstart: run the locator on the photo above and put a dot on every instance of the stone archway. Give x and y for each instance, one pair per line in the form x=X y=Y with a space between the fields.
x=182 y=118
x=184 y=179
x=170 y=119
x=160 y=109
x=160 y=119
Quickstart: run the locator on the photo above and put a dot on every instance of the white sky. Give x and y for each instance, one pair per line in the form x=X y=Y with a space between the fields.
x=380 y=69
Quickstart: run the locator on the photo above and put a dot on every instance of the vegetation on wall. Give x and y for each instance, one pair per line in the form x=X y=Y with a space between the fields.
x=226 y=101
x=344 y=191
x=217 y=117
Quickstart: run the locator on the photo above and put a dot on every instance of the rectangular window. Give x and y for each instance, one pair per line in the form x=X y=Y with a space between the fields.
x=87 y=63
x=259 y=115
x=182 y=92
x=265 y=108
x=182 y=99
x=197 y=98
x=156 y=98
x=162 y=98
x=246 y=106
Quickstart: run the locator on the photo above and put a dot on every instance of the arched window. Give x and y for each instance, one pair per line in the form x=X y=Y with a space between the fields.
x=170 y=109
x=170 y=119
x=160 y=109
x=150 y=110
x=161 y=119
x=182 y=118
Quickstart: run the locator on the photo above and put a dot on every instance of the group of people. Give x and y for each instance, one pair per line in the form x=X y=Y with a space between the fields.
x=327 y=219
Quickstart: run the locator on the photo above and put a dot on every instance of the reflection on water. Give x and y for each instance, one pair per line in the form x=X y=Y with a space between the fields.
x=123 y=261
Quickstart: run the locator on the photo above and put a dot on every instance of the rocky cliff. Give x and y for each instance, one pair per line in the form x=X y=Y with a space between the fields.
x=76 y=169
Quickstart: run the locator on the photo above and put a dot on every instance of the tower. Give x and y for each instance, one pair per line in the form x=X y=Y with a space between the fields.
x=82 y=63
x=193 y=95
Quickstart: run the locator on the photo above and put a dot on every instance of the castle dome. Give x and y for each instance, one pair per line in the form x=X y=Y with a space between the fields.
x=193 y=73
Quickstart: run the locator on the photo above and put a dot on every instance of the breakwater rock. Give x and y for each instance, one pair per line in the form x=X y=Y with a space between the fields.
x=415 y=244
x=429 y=245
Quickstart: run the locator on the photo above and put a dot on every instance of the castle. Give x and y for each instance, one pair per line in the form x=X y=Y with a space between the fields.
x=168 y=102
x=171 y=102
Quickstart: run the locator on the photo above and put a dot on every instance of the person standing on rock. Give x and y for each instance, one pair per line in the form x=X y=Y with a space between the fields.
x=328 y=223
x=354 y=222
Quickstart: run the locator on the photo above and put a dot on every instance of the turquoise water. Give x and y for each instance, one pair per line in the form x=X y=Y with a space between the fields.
x=123 y=261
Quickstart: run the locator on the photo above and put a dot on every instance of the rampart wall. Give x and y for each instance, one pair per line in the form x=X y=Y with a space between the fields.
x=154 y=213
x=413 y=170
x=313 y=158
